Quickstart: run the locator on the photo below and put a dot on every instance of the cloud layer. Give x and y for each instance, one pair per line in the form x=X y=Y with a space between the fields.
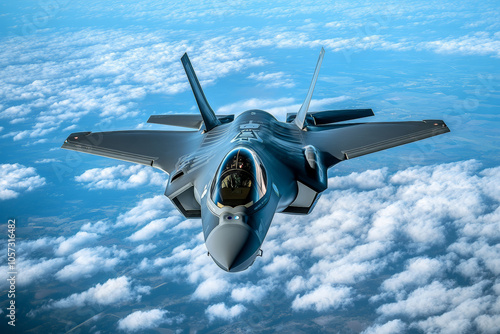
x=16 y=179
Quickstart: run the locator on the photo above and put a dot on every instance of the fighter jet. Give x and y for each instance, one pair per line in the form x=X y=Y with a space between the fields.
x=236 y=171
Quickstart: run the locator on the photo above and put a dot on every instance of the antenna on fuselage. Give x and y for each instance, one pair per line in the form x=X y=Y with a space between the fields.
x=208 y=115
x=300 y=119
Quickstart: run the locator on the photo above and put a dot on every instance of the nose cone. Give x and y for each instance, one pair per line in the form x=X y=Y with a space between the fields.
x=232 y=246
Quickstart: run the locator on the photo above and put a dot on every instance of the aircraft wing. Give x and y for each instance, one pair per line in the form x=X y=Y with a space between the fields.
x=347 y=141
x=160 y=149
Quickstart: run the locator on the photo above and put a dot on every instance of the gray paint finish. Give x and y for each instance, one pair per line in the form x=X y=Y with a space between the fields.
x=293 y=158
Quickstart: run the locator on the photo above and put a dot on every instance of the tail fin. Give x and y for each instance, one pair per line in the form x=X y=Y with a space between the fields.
x=301 y=115
x=208 y=115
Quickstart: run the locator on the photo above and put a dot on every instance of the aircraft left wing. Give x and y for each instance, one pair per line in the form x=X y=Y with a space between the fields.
x=347 y=141
x=160 y=149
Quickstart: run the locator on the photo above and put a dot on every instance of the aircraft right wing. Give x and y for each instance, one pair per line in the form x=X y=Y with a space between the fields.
x=160 y=149
x=347 y=141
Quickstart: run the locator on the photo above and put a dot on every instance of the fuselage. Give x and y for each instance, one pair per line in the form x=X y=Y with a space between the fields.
x=233 y=231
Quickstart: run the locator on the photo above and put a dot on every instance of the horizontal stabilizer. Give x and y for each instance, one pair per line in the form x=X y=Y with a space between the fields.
x=332 y=116
x=192 y=121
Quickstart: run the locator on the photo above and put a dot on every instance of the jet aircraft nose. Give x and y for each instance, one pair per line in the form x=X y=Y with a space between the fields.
x=232 y=245
x=226 y=242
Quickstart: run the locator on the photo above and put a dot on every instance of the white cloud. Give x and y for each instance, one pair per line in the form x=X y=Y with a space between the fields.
x=16 y=179
x=279 y=107
x=152 y=229
x=273 y=80
x=391 y=327
x=121 y=177
x=46 y=161
x=254 y=103
x=221 y=311
x=252 y=293
x=323 y=298
x=36 y=270
x=418 y=272
x=113 y=291
x=368 y=179
x=281 y=263
x=210 y=288
x=89 y=261
x=142 y=320
x=144 y=248
x=146 y=210
x=432 y=299
x=488 y=323
x=481 y=43
x=80 y=239
x=99 y=227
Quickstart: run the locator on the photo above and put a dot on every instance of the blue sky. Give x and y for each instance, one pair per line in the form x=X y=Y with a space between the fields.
x=404 y=240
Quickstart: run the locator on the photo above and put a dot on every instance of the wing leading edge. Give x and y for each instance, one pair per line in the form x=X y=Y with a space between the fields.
x=347 y=141
x=160 y=149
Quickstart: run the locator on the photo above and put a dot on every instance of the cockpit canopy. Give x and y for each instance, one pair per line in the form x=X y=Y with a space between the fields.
x=240 y=180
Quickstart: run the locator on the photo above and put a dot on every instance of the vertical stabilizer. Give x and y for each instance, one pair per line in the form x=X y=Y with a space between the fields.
x=208 y=115
x=301 y=115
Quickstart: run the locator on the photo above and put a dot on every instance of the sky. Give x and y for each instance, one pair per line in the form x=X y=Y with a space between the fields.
x=403 y=241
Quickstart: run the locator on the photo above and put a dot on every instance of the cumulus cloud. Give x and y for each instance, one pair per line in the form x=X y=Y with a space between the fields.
x=72 y=243
x=152 y=229
x=322 y=298
x=221 y=311
x=273 y=80
x=418 y=272
x=113 y=291
x=16 y=179
x=250 y=293
x=391 y=327
x=36 y=270
x=144 y=248
x=142 y=320
x=88 y=261
x=210 y=288
x=121 y=177
x=146 y=210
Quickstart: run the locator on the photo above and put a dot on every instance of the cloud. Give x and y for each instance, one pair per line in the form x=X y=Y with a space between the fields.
x=89 y=261
x=152 y=229
x=481 y=43
x=221 y=311
x=144 y=248
x=46 y=161
x=80 y=239
x=281 y=263
x=99 y=227
x=432 y=299
x=391 y=327
x=249 y=293
x=210 y=288
x=418 y=272
x=142 y=320
x=323 y=298
x=36 y=270
x=113 y=291
x=16 y=179
x=121 y=177
x=278 y=107
x=273 y=80
x=146 y=210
